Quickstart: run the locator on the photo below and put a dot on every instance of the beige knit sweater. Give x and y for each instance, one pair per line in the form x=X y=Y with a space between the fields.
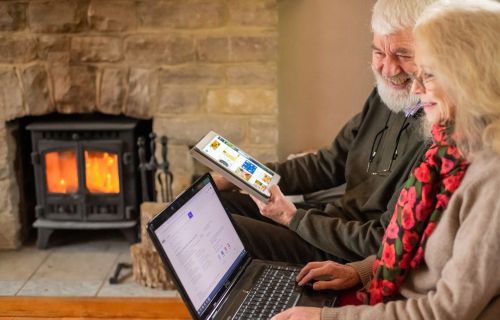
x=460 y=275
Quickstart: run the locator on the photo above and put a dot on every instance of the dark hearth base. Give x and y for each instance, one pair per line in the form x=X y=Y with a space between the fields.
x=47 y=227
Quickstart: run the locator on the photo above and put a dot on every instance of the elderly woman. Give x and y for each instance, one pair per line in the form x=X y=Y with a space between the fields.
x=434 y=264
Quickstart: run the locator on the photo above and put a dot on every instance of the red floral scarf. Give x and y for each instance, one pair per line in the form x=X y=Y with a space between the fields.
x=421 y=202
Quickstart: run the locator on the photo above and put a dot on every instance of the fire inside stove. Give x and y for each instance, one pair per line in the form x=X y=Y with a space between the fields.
x=101 y=171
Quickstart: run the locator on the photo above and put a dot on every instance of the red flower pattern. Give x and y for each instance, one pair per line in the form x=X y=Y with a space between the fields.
x=402 y=197
x=407 y=218
x=410 y=239
x=392 y=231
x=442 y=201
x=446 y=165
x=451 y=183
x=437 y=177
x=412 y=196
x=423 y=174
x=389 y=255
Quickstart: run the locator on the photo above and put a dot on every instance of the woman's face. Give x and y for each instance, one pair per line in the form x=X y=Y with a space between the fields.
x=436 y=104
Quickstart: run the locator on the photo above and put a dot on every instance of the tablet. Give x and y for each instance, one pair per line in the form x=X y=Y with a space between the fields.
x=220 y=155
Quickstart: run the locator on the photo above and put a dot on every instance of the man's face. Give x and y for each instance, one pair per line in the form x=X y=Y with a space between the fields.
x=392 y=64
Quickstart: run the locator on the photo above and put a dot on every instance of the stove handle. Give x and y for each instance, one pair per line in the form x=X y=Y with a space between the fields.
x=127 y=158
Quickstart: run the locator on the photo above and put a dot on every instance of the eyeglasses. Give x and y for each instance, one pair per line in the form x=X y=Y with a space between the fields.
x=376 y=144
x=422 y=78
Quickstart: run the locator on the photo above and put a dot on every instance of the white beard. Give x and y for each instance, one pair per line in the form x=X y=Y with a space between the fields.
x=396 y=100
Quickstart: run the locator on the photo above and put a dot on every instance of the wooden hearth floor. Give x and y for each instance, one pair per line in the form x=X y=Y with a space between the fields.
x=70 y=281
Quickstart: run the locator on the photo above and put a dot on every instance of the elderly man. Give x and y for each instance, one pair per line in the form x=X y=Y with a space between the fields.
x=373 y=155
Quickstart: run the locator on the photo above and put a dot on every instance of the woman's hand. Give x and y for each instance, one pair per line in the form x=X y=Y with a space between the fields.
x=328 y=275
x=278 y=208
x=299 y=313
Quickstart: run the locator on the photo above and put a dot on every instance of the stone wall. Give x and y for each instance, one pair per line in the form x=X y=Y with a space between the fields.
x=190 y=65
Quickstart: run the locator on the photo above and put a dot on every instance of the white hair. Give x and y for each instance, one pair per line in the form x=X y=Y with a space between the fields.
x=461 y=43
x=390 y=16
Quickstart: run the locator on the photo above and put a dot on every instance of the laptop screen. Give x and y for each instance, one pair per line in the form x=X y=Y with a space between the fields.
x=202 y=245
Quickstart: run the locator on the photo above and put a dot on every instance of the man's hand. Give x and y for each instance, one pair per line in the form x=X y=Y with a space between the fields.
x=299 y=313
x=279 y=208
x=328 y=275
x=222 y=183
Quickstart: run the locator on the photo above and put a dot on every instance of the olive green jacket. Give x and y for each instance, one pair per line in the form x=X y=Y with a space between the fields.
x=352 y=226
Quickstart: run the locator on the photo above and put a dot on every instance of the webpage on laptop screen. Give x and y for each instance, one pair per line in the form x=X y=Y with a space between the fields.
x=202 y=246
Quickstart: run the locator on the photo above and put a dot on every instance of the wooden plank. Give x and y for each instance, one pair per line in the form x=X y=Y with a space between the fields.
x=91 y=307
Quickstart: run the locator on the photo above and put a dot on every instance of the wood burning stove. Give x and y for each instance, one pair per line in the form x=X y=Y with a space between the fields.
x=85 y=176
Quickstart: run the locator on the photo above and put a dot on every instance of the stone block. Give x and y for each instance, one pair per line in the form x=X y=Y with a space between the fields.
x=10 y=226
x=242 y=101
x=7 y=154
x=17 y=49
x=53 y=47
x=9 y=237
x=186 y=14
x=112 y=15
x=255 y=13
x=179 y=158
x=176 y=99
x=213 y=49
x=142 y=92
x=188 y=130
x=252 y=74
x=12 y=16
x=237 y=49
x=263 y=130
x=182 y=180
x=112 y=90
x=11 y=97
x=96 y=49
x=254 y=48
x=74 y=88
x=37 y=95
x=193 y=74
x=166 y=49
x=56 y=15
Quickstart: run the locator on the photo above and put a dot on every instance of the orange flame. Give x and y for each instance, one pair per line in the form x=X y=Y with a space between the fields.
x=101 y=172
x=61 y=171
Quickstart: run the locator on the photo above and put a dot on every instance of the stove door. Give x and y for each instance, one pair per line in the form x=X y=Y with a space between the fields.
x=59 y=193
x=103 y=180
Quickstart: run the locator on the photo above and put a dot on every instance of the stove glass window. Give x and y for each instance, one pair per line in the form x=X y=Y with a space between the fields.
x=61 y=171
x=101 y=172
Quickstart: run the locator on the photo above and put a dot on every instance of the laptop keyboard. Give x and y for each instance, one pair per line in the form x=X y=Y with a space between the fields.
x=273 y=293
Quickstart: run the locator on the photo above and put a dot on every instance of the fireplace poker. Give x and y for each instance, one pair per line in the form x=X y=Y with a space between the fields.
x=153 y=166
x=165 y=171
x=143 y=168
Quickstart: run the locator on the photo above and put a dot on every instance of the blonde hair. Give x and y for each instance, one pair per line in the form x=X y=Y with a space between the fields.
x=462 y=41
x=390 y=16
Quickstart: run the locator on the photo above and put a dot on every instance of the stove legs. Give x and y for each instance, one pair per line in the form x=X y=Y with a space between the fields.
x=43 y=235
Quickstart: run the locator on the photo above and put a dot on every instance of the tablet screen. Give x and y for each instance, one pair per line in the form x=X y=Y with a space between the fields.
x=238 y=162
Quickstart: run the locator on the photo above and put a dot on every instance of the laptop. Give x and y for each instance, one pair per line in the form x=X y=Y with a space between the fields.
x=214 y=273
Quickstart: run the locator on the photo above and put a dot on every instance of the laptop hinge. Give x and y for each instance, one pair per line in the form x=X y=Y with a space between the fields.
x=229 y=285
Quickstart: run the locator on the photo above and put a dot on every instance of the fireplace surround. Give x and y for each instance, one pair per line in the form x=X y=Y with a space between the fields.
x=188 y=66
